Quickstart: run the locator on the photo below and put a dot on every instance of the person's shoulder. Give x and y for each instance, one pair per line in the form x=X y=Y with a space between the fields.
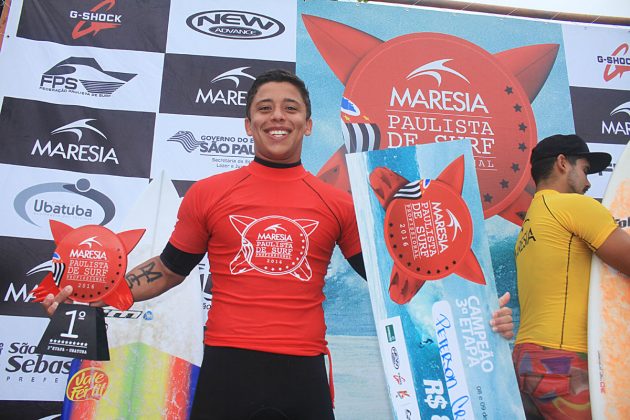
x=574 y=199
x=577 y=206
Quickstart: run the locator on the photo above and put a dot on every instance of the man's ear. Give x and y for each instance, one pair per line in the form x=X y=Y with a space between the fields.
x=562 y=163
x=248 y=126
x=309 y=127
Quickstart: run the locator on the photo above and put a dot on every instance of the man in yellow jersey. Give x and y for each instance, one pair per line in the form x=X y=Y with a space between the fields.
x=553 y=253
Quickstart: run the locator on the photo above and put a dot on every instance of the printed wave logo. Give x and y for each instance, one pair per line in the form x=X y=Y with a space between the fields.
x=95 y=20
x=226 y=96
x=455 y=98
x=90 y=241
x=234 y=75
x=435 y=69
x=235 y=24
x=211 y=145
x=87 y=384
x=77 y=152
x=33 y=202
x=617 y=63
x=187 y=140
x=83 y=76
x=615 y=126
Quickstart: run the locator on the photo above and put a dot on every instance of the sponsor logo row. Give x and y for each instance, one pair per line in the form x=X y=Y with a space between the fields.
x=174 y=83
x=120 y=143
x=140 y=26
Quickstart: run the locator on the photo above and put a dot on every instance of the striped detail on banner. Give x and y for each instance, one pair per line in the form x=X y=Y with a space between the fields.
x=186 y=139
x=361 y=137
x=57 y=268
x=413 y=190
x=57 y=271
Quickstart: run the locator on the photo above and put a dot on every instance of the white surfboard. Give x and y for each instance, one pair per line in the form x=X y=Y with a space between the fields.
x=609 y=312
x=156 y=346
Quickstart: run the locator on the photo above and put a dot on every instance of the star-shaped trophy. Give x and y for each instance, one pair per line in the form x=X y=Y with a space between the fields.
x=93 y=260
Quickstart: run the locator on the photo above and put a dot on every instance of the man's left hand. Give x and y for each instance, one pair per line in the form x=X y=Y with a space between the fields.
x=501 y=321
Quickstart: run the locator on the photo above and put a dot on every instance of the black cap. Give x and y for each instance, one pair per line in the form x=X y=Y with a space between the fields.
x=570 y=145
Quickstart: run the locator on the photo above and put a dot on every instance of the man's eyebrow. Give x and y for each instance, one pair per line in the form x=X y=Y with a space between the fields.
x=289 y=100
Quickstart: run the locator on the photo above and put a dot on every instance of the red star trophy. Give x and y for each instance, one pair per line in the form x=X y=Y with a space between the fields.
x=93 y=260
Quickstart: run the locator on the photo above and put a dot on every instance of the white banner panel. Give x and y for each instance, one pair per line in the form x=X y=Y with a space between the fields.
x=33 y=196
x=597 y=56
x=194 y=147
x=129 y=80
x=262 y=29
x=28 y=376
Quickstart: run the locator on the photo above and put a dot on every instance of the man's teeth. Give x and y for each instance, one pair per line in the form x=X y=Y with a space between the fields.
x=278 y=133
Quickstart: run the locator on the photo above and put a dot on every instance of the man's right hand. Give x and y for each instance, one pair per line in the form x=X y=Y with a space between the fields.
x=51 y=302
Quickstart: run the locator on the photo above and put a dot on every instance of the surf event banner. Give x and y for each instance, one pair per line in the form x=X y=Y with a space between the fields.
x=431 y=283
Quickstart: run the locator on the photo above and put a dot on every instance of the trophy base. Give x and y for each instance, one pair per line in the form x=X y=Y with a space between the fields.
x=76 y=331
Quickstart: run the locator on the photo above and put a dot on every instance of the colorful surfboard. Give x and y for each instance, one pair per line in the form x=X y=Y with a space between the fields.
x=431 y=283
x=155 y=346
x=609 y=312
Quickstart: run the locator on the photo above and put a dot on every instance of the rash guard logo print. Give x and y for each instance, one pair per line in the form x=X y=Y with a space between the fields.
x=274 y=245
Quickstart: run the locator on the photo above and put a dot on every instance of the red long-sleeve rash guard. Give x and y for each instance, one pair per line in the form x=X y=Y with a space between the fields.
x=269 y=234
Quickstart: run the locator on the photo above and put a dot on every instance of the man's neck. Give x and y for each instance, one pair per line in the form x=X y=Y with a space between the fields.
x=555 y=186
x=270 y=164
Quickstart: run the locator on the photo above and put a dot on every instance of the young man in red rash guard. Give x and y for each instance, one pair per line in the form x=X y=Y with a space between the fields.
x=269 y=230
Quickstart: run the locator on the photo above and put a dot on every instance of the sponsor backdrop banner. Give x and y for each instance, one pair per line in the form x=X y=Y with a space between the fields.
x=98 y=97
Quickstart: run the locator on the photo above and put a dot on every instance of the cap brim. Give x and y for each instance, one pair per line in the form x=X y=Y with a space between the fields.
x=598 y=161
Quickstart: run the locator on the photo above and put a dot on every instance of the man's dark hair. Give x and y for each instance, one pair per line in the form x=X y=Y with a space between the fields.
x=541 y=170
x=278 y=75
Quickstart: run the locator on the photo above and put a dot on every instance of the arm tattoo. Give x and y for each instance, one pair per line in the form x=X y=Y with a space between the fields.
x=146 y=275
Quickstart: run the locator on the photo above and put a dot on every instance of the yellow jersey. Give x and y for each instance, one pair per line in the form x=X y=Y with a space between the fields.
x=553 y=265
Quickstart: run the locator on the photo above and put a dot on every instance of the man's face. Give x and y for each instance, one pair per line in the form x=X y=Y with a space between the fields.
x=278 y=122
x=576 y=177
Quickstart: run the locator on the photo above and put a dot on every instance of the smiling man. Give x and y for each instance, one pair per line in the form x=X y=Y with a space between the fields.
x=553 y=253
x=269 y=230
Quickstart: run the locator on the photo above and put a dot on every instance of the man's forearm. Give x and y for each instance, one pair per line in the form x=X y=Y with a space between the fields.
x=151 y=279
